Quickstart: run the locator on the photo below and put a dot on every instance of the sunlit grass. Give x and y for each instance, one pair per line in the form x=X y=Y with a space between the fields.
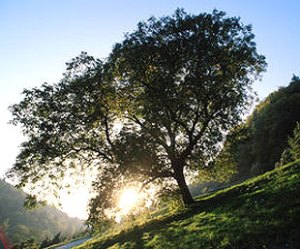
x=261 y=212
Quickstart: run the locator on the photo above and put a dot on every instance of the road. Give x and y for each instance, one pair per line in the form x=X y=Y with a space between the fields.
x=72 y=244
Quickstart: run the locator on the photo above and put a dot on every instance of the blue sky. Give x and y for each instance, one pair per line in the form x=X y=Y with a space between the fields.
x=38 y=37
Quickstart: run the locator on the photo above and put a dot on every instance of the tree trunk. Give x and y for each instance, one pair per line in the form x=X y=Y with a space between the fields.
x=184 y=190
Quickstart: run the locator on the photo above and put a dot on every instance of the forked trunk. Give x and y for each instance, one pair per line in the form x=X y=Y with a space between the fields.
x=184 y=190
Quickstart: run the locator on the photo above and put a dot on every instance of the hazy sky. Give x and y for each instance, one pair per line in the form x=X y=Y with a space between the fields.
x=38 y=37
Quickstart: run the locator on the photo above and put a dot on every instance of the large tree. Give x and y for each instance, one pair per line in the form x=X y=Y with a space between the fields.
x=158 y=105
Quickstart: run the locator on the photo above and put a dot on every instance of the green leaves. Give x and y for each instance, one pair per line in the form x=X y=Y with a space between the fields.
x=183 y=73
x=261 y=142
x=294 y=142
x=172 y=87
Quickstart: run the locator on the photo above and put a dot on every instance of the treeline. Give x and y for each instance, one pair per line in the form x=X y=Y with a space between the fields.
x=20 y=224
x=268 y=138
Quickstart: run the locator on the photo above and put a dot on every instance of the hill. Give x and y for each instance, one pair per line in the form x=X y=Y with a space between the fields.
x=259 y=143
x=262 y=212
x=19 y=223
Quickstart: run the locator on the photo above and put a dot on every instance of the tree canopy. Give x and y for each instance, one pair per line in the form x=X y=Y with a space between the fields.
x=158 y=105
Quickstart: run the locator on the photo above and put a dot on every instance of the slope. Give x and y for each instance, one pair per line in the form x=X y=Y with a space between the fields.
x=19 y=223
x=263 y=212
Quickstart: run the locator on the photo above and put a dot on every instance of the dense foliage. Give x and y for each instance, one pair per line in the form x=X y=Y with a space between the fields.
x=20 y=224
x=294 y=143
x=27 y=244
x=57 y=239
x=258 y=145
x=157 y=107
x=273 y=122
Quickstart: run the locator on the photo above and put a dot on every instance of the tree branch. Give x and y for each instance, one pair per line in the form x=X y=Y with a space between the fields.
x=107 y=133
x=99 y=152
x=166 y=174
x=150 y=130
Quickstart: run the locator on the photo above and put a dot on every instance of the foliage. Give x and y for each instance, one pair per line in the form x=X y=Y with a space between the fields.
x=186 y=82
x=55 y=240
x=158 y=106
x=285 y=158
x=234 y=152
x=294 y=142
x=273 y=122
x=292 y=152
x=27 y=244
x=258 y=144
x=21 y=224
x=258 y=213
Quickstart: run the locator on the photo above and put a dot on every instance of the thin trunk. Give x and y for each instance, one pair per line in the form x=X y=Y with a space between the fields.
x=184 y=190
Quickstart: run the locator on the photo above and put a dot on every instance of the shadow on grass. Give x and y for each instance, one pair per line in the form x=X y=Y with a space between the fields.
x=261 y=211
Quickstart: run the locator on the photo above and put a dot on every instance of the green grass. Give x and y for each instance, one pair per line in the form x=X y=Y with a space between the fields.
x=263 y=212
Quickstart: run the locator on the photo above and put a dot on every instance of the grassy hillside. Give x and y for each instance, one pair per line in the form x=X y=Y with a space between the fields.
x=20 y=224
x=263 y=212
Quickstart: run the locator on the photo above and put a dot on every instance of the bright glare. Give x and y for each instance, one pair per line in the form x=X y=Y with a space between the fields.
x=128 y=200
x=75 y=202
x=132 y=201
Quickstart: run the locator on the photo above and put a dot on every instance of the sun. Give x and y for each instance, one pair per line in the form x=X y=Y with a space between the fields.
x=128 y=200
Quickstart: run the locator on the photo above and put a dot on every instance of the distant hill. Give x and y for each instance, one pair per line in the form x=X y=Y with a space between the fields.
x=19 y=223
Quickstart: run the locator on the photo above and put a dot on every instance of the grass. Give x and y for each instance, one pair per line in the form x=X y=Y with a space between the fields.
x=263 y=212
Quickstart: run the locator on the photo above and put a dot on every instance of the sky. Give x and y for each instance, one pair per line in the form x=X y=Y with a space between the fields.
x=38 y=37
